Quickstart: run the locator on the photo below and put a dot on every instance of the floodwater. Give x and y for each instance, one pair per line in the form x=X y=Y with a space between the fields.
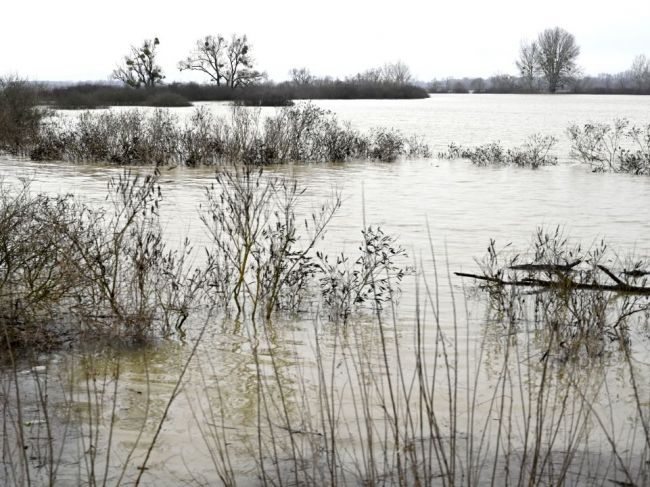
x=451 y=207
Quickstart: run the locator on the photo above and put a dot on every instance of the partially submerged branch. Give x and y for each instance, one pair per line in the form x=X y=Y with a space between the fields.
x=565 y=282
x=575 y=290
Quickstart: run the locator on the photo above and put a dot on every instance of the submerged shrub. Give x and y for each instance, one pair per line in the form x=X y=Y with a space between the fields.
x=20 y=116
x=372 y=279
x=386 y=145
x=585 y=298
x=123 y=138
x=66 y=267
x=533 y=153
x=257 y=259
x=34 y=282
x=302 y=133
x=619 y=147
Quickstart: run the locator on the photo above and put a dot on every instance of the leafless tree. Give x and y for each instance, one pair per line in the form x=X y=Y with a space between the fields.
x=301 y=76
x=527 y=62
x=239 y=70
x=373 y=75
x=640 y=72
x=207 y=57
x=140 y=68
x=227 y=63
x=556 y=57
x=397 y=72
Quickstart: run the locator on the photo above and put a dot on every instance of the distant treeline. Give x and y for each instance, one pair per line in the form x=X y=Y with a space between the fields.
x=95 y=95
x=603 y=84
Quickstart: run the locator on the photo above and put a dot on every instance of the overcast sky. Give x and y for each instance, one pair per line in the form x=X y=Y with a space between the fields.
x=84 y=40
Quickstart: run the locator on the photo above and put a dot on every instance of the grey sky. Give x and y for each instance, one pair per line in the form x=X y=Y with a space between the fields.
x=84 y=40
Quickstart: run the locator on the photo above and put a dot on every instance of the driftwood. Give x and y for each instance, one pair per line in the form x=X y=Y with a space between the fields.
x=546 y=267
x=564 y=282
x=636 y=273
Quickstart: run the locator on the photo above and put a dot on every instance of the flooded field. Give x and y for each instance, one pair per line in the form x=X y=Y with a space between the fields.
x=448 y=384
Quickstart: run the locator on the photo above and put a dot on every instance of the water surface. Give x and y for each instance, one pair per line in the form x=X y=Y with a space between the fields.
x=451 y=205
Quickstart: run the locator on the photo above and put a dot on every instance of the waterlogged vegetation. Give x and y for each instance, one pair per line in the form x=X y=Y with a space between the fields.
x=304 y=133
x=370 y=405
x=20 y=117
x=257 y=355
x=533 y=153
x=301 y=133
x=577 y=285
x=617 y=147
x=70 y=268
x=108 y=271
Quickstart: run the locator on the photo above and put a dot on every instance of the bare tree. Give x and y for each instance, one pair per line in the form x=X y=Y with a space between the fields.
x=301 y=76
x=207 y=57
x=373 y=75
x=140 y=68
x=397 y=72
x=556 y=57
x=527 y=63
x=640 y=72
x=239 y=70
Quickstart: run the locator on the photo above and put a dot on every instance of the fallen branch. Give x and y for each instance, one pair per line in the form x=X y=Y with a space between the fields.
x=620 y=287
x=546 y=267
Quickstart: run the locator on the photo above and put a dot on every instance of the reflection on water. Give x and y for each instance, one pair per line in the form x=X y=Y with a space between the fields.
x=337 y=398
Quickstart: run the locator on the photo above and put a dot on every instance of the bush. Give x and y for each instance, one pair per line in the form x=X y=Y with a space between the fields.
x=68 y=267
x=533 y=153
x=20 y=117
x=618 y=147
x=303 y=133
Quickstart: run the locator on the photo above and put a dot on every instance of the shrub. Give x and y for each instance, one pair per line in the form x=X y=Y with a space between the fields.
x=66 y=267
x=533 y=153
x=618 y=147
x=258 y=261
x=372 y=279
x=302 y=133
x=20 y=117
